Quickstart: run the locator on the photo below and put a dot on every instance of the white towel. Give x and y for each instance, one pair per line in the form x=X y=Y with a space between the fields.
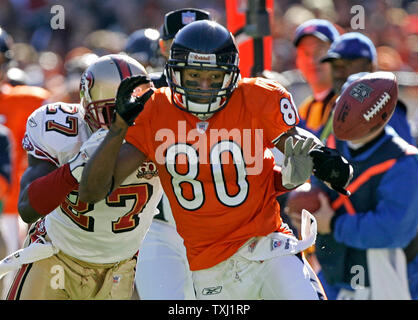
x=388 y=274
x=279 y=244
x=34 y=252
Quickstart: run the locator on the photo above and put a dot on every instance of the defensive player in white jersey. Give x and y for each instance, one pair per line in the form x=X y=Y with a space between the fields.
x=94 y=245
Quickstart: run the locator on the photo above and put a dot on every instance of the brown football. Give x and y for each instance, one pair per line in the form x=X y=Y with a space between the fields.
x=365 y=105
x=304 y=197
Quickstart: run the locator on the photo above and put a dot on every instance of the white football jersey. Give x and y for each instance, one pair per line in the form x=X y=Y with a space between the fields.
x=105 y=232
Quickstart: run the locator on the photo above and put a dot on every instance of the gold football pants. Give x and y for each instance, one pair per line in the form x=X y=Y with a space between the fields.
x=62 y=277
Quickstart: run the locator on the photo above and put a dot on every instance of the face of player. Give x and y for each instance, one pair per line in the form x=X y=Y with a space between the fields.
x=341 y=69
x=202 y=80
x=308 y=54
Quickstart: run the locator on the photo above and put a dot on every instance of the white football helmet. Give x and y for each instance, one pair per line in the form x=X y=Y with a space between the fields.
x=99 y=85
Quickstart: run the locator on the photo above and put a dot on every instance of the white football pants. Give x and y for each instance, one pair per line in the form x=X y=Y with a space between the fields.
x=11 y=229
x=162 y=271
x=284 y=277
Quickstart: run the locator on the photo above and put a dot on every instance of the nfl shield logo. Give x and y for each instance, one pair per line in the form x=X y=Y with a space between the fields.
x=360 y=92
x=188 y=17
x=275 y=244
x=202 y=127
x=116 y=279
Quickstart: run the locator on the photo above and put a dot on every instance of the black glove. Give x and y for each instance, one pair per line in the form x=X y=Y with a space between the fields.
x=128 y=106
x=332 y=168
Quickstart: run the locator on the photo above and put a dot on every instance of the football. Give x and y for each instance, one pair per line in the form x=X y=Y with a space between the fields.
x=304 y=197
x=365 y=105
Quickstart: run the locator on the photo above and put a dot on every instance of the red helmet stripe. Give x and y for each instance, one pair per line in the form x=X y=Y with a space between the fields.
x=123 y=68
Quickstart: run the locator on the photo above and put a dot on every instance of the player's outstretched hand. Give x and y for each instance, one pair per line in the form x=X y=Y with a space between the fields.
x=127 y=105
x=297 y=165
x=332 y=168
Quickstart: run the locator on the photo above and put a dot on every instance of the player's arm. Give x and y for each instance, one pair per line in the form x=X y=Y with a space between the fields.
x=295 y=144
x=114 y=160
x=110 y=165
x=297 y=133
x=306 y=155
x=42 y=188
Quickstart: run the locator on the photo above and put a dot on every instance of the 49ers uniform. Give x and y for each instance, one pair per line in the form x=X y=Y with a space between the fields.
x=105 y=232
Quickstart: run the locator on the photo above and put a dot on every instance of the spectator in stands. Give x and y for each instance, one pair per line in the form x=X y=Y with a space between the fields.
x=367 y=243
x=352 y=53
x=312 y=39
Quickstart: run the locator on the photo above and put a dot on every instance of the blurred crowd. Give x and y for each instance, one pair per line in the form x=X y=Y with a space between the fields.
x=45 y=57
x=103 y=27
x=54 y=58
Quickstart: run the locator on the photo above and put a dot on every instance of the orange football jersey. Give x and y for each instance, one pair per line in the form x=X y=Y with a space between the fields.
x=16 y=105
x=218 y=173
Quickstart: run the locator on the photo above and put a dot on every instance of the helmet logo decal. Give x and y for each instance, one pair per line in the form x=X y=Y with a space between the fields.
x=86 y=83
x=87 y=80
x=188 y=17
x=201 y=58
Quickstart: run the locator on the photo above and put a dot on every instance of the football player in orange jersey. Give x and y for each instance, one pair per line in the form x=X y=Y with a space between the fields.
x=209 y=134
x=163 y=270
x=16 y=104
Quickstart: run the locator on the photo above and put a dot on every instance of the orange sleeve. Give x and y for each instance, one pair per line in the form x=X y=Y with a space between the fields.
x=139 y=135
x=273 y=107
